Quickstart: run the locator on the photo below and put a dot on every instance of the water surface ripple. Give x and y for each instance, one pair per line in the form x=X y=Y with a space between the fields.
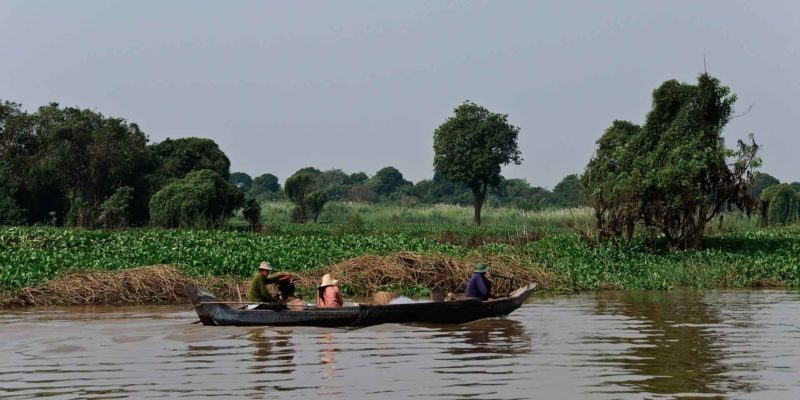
x=617 y=345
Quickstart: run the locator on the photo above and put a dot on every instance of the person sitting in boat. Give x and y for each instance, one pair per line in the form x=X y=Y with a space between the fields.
x=286 y=293
x=479 y=286
x=259 y=291
x=328 y=295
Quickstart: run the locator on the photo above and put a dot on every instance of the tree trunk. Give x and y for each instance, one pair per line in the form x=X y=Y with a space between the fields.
x=479 y=195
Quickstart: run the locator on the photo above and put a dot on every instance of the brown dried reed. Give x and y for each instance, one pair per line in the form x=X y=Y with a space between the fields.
x=152 y=284
x=371 y=274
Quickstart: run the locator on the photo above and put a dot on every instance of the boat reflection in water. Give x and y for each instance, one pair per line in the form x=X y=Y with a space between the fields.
x=327 y=360
x=489 y=336
x=273 y=354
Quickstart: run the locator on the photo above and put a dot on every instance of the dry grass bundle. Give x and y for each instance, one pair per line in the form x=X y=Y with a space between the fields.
x=371 y=274
x=153 y=284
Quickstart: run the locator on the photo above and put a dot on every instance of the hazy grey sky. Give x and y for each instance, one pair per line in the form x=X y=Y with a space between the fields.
x=362 y=85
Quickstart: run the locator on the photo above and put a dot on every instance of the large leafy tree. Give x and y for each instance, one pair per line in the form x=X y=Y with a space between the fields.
x=673 y=174
x=334 y=183
x=520 y=194
x=265 y=187
x=609 y=184
x=387 y=181
x=761 y=181
x=441 y=191
x=569 y=192
x=357 y=178
x=472 y=146
x=202 y=198
x=296 y=188
x=177 y=157
x=241 y=180
x=57 y=157
x=780 y=205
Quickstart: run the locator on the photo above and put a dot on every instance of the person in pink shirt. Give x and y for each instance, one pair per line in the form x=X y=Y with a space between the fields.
x=328 y=295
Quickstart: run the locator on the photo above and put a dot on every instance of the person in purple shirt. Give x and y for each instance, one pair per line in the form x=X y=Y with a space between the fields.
x=479 y=286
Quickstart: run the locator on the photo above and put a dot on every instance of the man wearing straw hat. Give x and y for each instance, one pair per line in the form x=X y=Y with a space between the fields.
x=258 y=286
x=479 y=286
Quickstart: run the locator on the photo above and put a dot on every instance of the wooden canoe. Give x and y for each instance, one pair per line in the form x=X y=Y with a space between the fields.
x=213 y=312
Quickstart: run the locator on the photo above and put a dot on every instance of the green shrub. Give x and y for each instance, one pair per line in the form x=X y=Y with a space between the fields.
x=316 y=201
x=252 y=213
x=10 y=213
x=201 y=199
x=781 y=203
x=115 y=210
x=80 y=213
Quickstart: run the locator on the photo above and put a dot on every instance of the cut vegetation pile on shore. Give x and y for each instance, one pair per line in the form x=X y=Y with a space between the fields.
x=155 y=284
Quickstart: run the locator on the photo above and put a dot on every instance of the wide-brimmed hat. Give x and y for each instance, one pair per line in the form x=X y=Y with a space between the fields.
x=265 y=266
x=328 y=281
x=481 y=267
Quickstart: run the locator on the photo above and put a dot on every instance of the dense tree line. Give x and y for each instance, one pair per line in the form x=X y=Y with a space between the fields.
x=68 y=166
x=389 y=186
x=77 y=167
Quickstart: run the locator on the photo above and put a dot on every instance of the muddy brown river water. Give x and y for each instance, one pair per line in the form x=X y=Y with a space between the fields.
x=679 y=344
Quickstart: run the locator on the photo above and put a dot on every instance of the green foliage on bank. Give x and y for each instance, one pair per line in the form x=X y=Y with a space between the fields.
x=766 y=257
x=31 y=255
x=757 y=258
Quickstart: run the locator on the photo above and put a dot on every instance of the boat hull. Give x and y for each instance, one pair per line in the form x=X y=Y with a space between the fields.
x=213 y=312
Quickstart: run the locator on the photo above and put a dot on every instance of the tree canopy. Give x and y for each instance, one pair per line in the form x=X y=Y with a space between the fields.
x=241 y=180
x=472 y=146
x=57 y=157
x=780 y=205
x=178 y=157
x=387 y=181
x=569 y=192
x=761 y=181
x=296 y=188
x=200 y=199
x=674 y=173
x=265 y=187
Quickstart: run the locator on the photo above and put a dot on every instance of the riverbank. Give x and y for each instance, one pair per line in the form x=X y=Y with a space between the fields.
x=405 y=273
x=410 y=262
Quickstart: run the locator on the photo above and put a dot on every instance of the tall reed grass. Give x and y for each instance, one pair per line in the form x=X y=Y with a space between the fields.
x=341 y=213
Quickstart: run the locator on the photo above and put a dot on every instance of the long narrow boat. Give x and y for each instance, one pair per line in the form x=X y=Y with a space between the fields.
x=213 y=312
